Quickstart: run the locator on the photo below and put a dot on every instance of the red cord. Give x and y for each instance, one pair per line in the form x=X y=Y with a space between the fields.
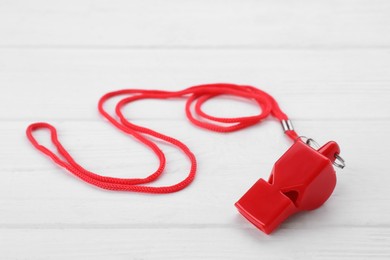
x=196 y=95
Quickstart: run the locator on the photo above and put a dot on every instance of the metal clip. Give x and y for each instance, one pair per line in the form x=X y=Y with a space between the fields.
x=287 y=125
x=339 y=162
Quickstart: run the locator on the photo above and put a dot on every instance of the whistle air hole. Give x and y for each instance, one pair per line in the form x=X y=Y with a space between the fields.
x=292 y=195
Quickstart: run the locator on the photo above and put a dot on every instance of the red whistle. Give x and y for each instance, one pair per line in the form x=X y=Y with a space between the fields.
x=302 y=179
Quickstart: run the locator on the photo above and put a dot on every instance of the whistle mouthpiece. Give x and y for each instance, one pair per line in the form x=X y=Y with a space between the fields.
x=302 y=179
x=265 y=206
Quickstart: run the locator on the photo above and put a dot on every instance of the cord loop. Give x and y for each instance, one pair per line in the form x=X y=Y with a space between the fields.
x=196 y=97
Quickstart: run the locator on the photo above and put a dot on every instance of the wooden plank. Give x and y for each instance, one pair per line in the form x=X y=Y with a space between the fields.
x=66 y=84
x=326 y=62
x=196 y=243
x=199 y=24
x=35 y=193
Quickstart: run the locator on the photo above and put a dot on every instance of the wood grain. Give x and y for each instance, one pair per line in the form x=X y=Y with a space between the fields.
x=197 y=243
x=198 y=24
x=66 y=84
x=326 y=62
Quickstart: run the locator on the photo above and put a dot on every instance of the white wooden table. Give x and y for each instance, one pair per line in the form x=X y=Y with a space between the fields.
x=326 y=62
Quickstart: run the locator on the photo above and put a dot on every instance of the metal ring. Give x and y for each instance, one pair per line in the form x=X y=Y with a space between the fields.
x=302 y=137
x=309 y=141
x=341 y=163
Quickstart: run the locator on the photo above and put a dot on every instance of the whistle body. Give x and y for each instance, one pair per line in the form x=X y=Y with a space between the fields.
x=302 y=179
